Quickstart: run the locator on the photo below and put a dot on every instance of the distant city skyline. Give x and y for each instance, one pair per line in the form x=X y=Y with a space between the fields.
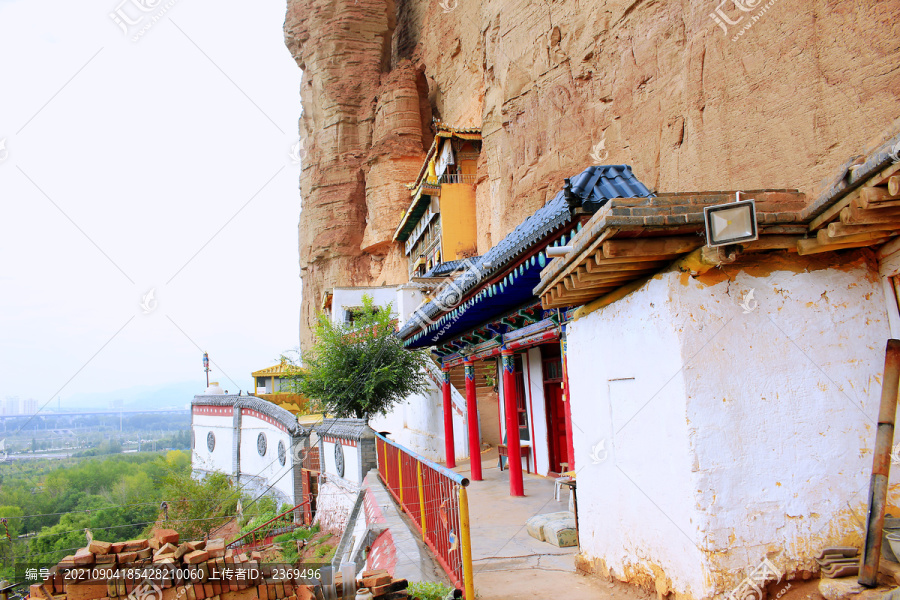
x=148 y=198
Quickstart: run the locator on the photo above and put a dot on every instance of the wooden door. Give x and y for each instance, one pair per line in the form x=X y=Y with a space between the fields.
x=556 y=408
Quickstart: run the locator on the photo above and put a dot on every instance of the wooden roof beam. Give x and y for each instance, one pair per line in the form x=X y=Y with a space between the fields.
x=651 y=246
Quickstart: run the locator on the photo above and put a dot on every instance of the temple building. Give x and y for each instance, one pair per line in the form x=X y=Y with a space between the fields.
x=703 y=362
x=439 y=224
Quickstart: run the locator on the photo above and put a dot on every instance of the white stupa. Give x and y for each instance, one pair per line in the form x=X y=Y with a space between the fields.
x=214 y=390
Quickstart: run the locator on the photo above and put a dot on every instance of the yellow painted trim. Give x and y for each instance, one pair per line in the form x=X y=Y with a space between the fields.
x=465 y=544
x=421 y=499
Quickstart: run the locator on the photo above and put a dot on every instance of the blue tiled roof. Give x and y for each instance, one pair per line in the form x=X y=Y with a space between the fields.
x=590 y=190
x=447 y=268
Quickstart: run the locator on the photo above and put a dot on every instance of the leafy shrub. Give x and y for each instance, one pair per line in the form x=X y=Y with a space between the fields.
x=428 y=590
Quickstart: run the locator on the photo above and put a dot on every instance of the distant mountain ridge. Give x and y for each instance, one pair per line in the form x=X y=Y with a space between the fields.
x=170 y=395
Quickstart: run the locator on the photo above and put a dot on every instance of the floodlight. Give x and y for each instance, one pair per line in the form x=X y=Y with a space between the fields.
x=731 y=223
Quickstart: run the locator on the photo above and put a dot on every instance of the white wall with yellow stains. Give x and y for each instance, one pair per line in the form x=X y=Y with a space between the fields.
x=715 y=428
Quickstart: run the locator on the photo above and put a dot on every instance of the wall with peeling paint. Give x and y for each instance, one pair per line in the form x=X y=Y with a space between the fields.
x=636 y=504
x=782 y=403
x=730 y=435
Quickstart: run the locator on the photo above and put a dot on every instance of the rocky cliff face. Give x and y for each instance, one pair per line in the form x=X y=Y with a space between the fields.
x=778 y=99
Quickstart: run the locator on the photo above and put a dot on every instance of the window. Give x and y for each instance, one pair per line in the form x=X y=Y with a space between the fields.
x=351 y=315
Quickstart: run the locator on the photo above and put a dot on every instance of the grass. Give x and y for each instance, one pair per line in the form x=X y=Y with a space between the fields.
x=315 y=547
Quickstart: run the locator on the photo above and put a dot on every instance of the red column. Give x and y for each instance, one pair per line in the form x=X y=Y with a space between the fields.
x=449 y=448
x=567 y=399
x=472 y=418
x=514 y=448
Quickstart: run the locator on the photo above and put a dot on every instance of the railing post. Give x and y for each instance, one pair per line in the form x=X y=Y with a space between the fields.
x=421 y=499
x=449 y=447
x=465 y=544
x=513 y=445
x=400 y=476
x=472 y=418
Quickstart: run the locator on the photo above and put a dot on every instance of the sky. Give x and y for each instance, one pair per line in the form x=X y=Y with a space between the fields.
x=145 y=146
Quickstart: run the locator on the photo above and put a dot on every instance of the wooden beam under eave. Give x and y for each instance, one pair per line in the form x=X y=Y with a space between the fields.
x=579 y=254
x=610 y=297
x=839 y=229
x=884 y=177
x=601 y=260
x=574 y=284
x=650 y=246
x=772 y=242
x=834 y=211
x=853 y=215
x=592 y=266
x=824 y=239
x=812 y=246
x=595 y=278
x=877 y=197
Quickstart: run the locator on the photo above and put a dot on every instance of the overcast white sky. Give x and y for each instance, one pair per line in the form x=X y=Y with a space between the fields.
x=162 y=164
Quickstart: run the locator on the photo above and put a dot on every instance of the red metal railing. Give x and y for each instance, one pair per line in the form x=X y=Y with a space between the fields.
x=263 y=534
x=430 y=494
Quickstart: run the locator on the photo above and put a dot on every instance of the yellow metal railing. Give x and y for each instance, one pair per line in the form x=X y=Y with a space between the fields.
x=436 y=500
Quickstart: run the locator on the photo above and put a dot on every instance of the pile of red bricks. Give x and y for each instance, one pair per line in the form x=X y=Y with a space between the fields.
x=160 y=568
x=380 y=583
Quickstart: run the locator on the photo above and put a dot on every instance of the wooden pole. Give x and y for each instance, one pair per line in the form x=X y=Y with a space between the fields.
x=472 y=419
x=449 y=447
x=881 y=465
x=513 y=445
x=465 y=544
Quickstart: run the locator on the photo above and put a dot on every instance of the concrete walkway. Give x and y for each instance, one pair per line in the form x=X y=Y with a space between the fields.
x=509 y=563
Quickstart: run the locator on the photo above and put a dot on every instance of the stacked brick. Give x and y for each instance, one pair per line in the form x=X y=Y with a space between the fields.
x=161 y=568
x=379 y=583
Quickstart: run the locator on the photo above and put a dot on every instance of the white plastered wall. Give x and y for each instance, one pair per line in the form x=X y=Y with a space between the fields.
x=418 y=424
x=730 y=435
x=261 y=473
x=632 y=452
x=352 y=297
x=222 y=427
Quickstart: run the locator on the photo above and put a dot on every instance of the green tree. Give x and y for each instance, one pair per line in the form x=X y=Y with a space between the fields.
x=360 y=369
x=197 y=506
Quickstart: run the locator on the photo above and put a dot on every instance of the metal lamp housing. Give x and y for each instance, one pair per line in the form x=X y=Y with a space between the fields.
x=730 y=223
